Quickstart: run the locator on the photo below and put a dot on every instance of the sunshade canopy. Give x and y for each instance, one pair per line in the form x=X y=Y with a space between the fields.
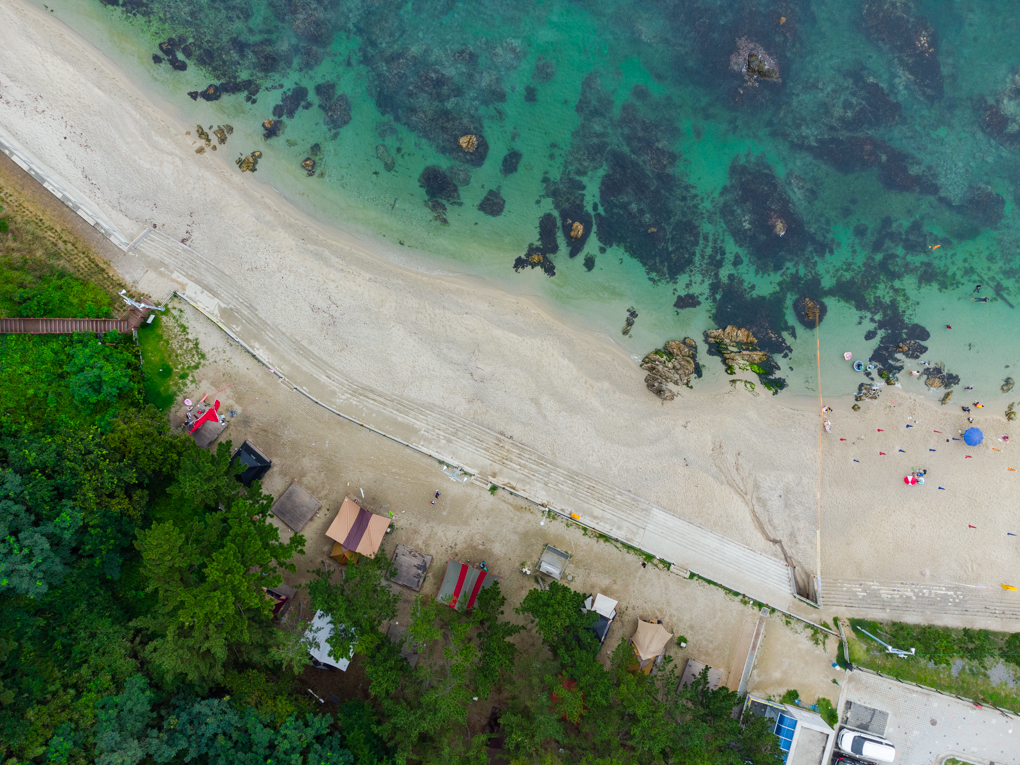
x=973 y=436
x=316 y=637
x=255 y=464
x=357 y=529
x=649 y=640
x=602 y=605
x=462 y=584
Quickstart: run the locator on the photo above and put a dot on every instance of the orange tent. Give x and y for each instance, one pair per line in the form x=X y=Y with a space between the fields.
x=357 y=530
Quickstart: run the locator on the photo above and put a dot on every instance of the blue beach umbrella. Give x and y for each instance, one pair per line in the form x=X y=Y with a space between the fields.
x=973 y=436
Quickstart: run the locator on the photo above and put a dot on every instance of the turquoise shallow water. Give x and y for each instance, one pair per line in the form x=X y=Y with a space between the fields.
x=722 y=158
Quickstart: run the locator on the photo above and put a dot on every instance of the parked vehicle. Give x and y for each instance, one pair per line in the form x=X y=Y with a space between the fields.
x=866 y=746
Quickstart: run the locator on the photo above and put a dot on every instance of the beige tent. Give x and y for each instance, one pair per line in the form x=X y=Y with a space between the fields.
x=357 y=530
x=649 y=640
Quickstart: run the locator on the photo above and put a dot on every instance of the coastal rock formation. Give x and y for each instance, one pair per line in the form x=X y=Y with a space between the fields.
x=272 y=128
x=937 y=376
x=866 y=391
x=576 y=230
x=492 y=203
x=1010 y=412
x=384 y=156
x=673 y=364
x=250 y=163
x=628 y=323
x=468 y=142
x=308 y=165
x=537 y=255
x=1007 y=385
x=739 y=350
x=212 y=93
x=438 y=185
x=221 y=134
x=752 y=61
x=912 y=349
x=910 y=38
x=809 y=311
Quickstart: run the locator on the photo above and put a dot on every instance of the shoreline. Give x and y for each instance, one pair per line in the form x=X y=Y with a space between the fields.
x=503 y=360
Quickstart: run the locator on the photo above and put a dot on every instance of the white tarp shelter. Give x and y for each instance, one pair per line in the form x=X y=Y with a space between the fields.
x=315 y=638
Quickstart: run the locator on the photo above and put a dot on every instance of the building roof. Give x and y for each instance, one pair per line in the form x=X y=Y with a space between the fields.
x=357 y=529
x=553 y=562
x=296 y=507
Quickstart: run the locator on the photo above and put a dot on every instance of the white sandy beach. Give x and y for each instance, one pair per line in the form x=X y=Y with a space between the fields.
x=715 y=456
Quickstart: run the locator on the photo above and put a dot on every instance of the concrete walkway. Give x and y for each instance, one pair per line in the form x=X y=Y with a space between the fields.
x=925 y=602
x=926 y=727
x=490 y=457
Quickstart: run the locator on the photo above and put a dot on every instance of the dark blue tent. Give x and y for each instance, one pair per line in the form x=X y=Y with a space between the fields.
x=973 y=436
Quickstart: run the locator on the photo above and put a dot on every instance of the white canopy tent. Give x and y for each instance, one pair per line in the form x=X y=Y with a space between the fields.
x=316 y=637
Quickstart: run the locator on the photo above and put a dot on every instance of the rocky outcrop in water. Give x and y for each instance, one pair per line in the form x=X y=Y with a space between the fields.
x=739 y=350
x=897 y=170
x=272 y=128
x=912 y=349
x=384 y=156
x=1007 y=385
x=937 y=376
x=250 y=163
x=673 y=364
x=510 y=162
x=897 y=25
x=492 y=203
x=809 y=311
x=537 y=255
x=308 y=165
x=754 y=63
x=292 y=100
x=438 y=185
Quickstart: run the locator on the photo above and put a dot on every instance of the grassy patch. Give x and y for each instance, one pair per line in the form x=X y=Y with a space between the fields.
x=646 y=557
x=169 y=356
x=936 y=650
x=744 y=600
x=792 y=696
x=827 y=711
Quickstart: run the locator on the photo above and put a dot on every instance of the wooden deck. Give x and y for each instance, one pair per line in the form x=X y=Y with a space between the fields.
x=67 y=326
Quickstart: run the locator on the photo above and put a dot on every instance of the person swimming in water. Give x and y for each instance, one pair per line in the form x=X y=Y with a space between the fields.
x=980 y=300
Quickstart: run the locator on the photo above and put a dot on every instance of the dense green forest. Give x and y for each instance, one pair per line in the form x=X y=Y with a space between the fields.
x=134 y=629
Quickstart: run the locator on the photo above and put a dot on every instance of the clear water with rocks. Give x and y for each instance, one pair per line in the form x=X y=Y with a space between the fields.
x=700 y=163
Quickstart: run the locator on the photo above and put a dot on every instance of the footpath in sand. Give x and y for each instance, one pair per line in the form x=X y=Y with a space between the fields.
x=744 y=468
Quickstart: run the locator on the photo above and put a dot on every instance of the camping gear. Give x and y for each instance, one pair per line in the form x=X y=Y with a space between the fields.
x=973 y=436
x=296 y=507
x=210 y=416
x=650 y=640
x=461 y=585
x=316 y=637
x=255 y=465
x=910 y=480
x=357 y=530
x=553 y=562
x=606 y=610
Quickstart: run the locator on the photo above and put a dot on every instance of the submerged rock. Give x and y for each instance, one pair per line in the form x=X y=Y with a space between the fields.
x=212 y=93
x=865 y=391
x=910 y=38
x=290 y=102
x=308 y=166
x=673 y=364
x=384 y=156
x=1007 y=385
x=221 y=134
x=438 y=211
x=809 y=311
x=492 y=203
x=438 y=185
x=937 y=376
x=688 y=300
x=510 y=162
x=739 y=350
x=468 y=142
x=460 y=174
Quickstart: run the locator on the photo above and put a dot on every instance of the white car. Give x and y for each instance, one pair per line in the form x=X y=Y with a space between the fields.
x=866 y=746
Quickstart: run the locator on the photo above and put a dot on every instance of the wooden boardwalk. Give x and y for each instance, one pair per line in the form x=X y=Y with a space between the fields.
x=63 y=326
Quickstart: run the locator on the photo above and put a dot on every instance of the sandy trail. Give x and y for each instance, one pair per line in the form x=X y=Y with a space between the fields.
x=744 y=467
